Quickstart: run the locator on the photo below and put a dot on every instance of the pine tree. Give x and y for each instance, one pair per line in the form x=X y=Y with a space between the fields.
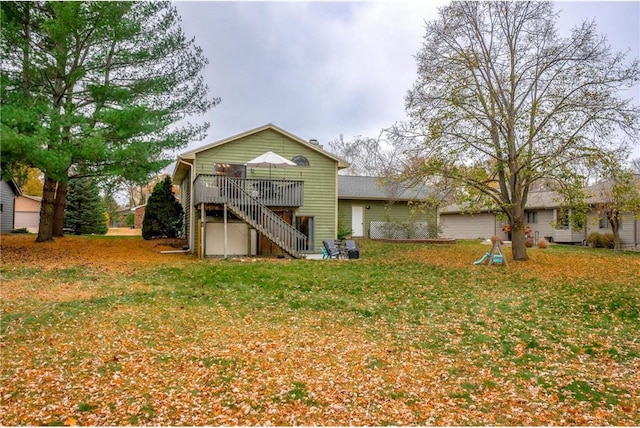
x=84 y=210
x=163 y=214
x=101 y=89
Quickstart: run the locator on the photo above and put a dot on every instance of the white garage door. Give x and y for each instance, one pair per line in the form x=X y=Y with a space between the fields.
x=468 y=226
x=30 y=220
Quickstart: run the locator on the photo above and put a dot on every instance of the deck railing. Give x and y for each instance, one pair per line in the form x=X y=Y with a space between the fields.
x=245 y=200
x=219 y=189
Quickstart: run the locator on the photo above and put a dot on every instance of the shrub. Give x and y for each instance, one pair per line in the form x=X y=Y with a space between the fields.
x=543 y=243
x=131 y=219
x=607 y=240
x=595 y=240
x=528 y=243
x=163 y=214
x=343 y=232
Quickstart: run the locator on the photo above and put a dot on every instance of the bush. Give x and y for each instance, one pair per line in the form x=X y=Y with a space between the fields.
x=131 y=219
x=543 y=243
x=607 y=240
x=343 y=232
x=528 y=243
x=595 y=240
x=163 y=214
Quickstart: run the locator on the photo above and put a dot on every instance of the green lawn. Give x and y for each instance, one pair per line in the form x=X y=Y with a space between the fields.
x=410 y=334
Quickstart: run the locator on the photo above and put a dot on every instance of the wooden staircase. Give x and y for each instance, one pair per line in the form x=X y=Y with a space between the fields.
x=259 y=216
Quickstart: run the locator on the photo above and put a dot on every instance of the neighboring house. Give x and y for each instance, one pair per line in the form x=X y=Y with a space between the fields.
x=370 y=207
x=9 y=190
x=543 y=214
x=234 y=209
x=27 y=211
x=630 y=227
x=138 y=213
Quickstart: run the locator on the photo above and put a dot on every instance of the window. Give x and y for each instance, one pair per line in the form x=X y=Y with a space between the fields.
x=532 y=217
x=230 y=170
x=603 y=223
x=300 y=160
x=563 y=220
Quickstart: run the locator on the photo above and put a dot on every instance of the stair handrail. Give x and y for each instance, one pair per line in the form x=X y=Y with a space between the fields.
x=260 y=216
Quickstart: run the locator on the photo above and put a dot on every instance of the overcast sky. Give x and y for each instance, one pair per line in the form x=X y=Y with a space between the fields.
x=324 y=69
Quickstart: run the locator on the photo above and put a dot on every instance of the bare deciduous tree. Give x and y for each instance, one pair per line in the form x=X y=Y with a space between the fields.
x=502 y=102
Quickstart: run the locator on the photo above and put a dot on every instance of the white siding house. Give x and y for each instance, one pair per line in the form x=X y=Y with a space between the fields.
x=27 y=213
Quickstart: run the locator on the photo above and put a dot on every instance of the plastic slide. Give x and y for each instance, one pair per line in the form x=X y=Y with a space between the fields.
x=497 y=258
x=485 y=257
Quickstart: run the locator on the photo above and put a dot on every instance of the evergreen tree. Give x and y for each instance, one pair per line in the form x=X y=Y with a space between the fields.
x=84 y=210
x=163 y=214
x=100 y=89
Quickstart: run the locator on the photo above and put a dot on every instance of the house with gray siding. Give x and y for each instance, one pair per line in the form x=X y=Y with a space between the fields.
x=9 y=190
x=231 y=208
x=544 y=215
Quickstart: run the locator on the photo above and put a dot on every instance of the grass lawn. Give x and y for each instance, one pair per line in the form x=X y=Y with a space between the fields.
x=108 y=331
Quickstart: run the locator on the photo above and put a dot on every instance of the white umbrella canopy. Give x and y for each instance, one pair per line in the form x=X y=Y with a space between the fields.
x=271 y=160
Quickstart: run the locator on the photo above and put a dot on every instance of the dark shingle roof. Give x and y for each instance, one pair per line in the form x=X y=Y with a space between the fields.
x=373 y=188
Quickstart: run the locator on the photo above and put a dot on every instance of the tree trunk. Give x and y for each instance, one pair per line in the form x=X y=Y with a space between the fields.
x=45 y=229
x=58 y=209
x=615 y=228
x=518 y=247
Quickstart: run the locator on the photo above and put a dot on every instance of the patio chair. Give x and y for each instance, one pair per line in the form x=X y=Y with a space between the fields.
x=332 y=250
x=325 y=255
x=351 y=250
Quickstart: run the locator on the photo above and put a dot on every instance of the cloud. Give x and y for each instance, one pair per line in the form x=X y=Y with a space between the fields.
x=322 y=69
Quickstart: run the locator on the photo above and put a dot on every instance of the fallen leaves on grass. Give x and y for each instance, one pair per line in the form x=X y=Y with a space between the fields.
x=412 y=335
x=112 y=254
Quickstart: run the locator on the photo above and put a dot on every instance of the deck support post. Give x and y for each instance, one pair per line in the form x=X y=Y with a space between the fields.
x=225 y=230
x=203 y=231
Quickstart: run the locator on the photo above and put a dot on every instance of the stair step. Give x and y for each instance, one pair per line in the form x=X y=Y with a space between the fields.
x=239 y=211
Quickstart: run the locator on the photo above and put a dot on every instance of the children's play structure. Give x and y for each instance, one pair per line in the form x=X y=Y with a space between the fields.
x=497 y=258
x=494 y=256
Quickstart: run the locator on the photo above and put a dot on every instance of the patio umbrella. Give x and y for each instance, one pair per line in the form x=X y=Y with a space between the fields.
x=271 y=160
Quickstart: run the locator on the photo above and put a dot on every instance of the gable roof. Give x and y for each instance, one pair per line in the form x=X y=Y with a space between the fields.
x=192 y=153
x=602 y=192
x=539 y=199
x=186 y=158
x=13 y=185
x=373 y=188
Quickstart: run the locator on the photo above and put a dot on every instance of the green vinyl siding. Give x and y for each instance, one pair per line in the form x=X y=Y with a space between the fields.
x=185 y=199
x=320 y=177
x=377 y=211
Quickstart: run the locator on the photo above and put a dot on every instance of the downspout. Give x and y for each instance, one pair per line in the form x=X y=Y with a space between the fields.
x=191 y=214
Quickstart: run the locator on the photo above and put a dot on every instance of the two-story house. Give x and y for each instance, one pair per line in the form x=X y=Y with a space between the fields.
x=233 y=208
